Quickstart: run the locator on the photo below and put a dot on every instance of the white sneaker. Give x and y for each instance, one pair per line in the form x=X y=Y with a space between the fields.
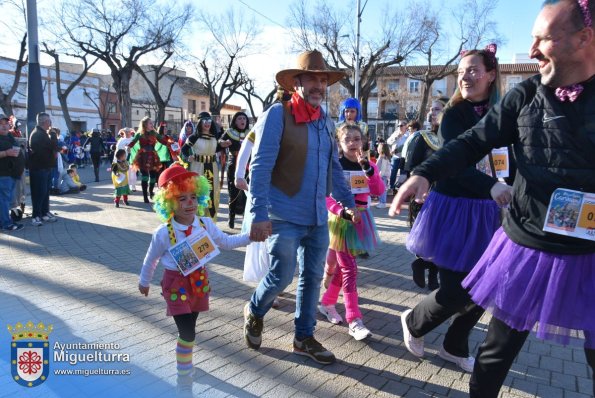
x=464 y=363
x=330 y=313
x=413 y=344
x=36 y=221
x=358 y=330
x=381 y=206
x=49 y=217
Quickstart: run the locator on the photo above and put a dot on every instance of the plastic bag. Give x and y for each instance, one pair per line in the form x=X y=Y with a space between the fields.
x=256 y=262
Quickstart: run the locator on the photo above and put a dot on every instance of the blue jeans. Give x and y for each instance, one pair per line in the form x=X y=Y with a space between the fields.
x=6 y=192
x=289 y=245
x=55 y=182
x=382 y=197
x=41 y=181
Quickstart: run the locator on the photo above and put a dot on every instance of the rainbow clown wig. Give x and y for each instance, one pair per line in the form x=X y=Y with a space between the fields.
x=174 y=181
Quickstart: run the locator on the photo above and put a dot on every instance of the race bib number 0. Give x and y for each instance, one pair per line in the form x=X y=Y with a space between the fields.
x=571 y=213
x=357 y=181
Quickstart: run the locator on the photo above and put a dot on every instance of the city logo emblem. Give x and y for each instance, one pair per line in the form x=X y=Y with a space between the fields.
x=30 y=353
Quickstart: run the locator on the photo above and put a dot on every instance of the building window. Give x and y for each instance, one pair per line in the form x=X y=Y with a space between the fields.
x=111 y=107
x=512 y=81
x=414 y=86
x=391 y=108
x=393 y=85
x=203 y=106
x=439 y=88
x=170 y=116
x=191 y=106
x=148 y=113
x=372 y=107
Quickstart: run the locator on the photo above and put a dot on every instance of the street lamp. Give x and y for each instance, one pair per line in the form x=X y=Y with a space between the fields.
x=356 y=74
x=35 y=102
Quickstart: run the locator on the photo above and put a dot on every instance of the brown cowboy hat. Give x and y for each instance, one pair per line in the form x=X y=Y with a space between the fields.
x=308 y=62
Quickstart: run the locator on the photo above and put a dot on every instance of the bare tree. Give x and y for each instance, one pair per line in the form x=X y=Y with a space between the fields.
x=101 y=107
x=249 y=93
x=63 y=94
x=153 y=76
x=323 y=28
x=474 y=26
x=6 y=95
x=220 y=71
x=119 y=33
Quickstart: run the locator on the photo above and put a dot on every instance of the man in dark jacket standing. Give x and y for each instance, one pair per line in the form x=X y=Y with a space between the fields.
x=12 y=164
x=42 y=160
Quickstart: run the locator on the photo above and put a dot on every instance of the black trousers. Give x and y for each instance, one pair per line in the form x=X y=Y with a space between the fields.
x=495 y=357
x=186 y=324
x=448 y=300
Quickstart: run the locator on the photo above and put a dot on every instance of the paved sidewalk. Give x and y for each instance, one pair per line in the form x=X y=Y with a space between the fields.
x=81 y=274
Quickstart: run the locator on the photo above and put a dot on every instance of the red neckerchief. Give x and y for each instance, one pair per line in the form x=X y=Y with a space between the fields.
x=302 y=111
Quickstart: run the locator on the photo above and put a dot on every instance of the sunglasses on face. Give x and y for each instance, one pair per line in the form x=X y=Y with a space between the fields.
x=207 y=120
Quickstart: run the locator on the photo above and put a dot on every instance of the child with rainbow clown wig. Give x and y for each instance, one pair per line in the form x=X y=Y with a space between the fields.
x=183 y=196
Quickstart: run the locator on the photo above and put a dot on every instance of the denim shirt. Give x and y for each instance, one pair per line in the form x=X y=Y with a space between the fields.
x=308 y=206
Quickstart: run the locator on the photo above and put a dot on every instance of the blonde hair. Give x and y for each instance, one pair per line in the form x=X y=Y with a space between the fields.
x=142 y=128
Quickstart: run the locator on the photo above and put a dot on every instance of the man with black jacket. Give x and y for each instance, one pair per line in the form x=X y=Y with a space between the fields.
x=12 y=164
x=539 y=268
x=42 y=159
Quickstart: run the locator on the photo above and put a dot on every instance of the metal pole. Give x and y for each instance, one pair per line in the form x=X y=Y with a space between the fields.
x=356 y=77
x=35 y=102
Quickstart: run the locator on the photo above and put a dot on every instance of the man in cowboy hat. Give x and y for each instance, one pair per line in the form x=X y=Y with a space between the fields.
x=294 y=167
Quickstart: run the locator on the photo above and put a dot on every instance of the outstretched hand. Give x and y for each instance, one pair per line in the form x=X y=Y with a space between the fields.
x=143 y=289
x=415 y=185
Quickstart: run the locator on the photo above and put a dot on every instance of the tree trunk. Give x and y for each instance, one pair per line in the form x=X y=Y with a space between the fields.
x=427 y=86
x=160 y=111
x=6 y=98
x=122 y=87
x=65 y=112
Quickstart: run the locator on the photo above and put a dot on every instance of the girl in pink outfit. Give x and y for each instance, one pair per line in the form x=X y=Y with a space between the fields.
x=348 y=238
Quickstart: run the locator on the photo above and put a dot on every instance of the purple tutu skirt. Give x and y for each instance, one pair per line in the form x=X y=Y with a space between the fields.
x=523 y=287
x=453 y=232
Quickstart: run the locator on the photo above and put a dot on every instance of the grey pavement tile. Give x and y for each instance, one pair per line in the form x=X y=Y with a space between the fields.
x=585 y=386
x=570 y=394
x=567 y=382
x=261 y=386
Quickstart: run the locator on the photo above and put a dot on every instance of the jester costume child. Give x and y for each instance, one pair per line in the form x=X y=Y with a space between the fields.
x=146 y=159
x=185 y=296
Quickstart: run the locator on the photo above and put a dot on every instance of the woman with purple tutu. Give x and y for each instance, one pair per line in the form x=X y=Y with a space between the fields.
x=535 y=273
x=457 y=221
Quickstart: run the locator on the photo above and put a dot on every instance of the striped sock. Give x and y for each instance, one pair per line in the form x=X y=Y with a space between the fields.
x=184 y=356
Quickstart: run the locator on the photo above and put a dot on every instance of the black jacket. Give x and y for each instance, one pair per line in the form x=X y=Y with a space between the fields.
x=554 y=147
x=43 y=149
x=469 y=183
x=11 y=166
x=96 y=144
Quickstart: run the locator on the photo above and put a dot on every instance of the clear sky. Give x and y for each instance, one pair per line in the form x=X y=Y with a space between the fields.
x=514 y=17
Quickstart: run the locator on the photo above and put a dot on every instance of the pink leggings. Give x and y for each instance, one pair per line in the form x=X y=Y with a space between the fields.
x=345 y=277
